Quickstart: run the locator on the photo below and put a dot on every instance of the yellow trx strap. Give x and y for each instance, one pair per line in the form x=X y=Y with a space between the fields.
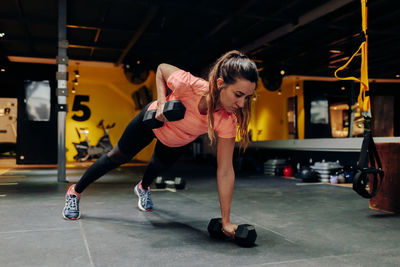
x=363 y=97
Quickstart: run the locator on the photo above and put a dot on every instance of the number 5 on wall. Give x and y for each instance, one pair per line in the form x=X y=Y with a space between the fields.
x=78 y=106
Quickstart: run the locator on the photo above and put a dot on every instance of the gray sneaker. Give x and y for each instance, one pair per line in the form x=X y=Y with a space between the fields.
x=71 y=208
x=144 y=201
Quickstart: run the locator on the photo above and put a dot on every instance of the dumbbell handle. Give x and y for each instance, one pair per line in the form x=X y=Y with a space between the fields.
x=243 y=240
x=150 y=115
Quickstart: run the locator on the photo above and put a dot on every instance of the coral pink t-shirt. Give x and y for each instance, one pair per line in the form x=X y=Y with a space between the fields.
x=189 y=90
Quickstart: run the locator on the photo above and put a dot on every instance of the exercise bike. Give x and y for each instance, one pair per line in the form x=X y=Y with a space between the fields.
x=86 y=151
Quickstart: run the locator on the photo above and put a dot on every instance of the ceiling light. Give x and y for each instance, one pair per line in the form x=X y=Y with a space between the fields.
x=282 y=72
x=75 y=81
x=279 y=92
x=343 y=88
x=335 y=51
x=398 y=76
x=297 y=86
x=73 y=90
x=2 y=70
x=2 y=34
x=138 y=62
x=338 y=60
x=76 y=73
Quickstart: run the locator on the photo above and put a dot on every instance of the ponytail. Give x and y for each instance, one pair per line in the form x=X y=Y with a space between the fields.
x=231 y=66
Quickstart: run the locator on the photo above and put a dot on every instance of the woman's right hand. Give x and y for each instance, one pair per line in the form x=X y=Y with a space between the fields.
x=229 y=229
x=159 y=114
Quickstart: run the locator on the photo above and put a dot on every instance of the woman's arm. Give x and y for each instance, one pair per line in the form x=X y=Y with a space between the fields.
x=226 y=180
x=163 y=72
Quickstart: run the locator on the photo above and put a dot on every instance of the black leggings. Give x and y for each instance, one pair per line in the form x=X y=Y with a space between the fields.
x=135 y=137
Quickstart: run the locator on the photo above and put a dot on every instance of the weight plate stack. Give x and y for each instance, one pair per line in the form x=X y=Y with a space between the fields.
x=325 y=168
x=272 y=166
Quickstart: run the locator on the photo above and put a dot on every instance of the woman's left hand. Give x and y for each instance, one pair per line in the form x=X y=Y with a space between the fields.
x=229 y=229
x=159 y=113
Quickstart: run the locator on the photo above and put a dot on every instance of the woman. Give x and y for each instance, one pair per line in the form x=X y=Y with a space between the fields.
x=220 y=107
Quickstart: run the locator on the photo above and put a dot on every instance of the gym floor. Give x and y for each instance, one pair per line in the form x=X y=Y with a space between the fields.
x=297 y=224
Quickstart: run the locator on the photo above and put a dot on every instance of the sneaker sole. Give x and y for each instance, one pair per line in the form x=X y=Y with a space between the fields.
x=138 y=204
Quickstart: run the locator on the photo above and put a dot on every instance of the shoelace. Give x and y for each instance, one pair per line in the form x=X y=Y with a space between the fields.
x=145 y=197
x=72 y=203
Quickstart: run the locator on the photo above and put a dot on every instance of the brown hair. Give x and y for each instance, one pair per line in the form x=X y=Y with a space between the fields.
x=231 y=66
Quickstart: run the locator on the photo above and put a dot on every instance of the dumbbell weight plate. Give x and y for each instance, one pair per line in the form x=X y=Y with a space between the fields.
x=174 y=110
x=214 y=228
x=150 y=120
x=179 y=183
x=160 y=182
x=245 y=235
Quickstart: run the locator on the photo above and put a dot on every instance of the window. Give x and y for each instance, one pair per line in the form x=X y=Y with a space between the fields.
x=340 y=122
x=37 y=100
x=319 y=111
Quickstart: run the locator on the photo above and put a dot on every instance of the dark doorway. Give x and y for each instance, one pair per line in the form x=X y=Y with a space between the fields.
x=37 y=113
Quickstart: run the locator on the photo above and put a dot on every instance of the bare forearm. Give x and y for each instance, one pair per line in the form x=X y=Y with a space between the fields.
x=163 y=72
x=226 y=181
x=161 y=85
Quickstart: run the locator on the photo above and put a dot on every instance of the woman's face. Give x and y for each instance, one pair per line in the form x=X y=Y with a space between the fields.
x=233 y=97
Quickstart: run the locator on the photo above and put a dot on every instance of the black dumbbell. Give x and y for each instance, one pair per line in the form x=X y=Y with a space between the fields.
x=160 y=182
x=245 y=234
x=178 y=182
x=173 y=110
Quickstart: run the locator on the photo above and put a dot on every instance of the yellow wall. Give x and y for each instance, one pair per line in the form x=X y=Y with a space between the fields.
x=269 y=112
x=109 y=99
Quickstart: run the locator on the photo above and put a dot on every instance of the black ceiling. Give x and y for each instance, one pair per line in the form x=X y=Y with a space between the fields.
x=297 y=35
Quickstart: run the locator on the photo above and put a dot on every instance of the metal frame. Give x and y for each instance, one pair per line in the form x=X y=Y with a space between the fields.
x=62 y=86
x=320 y=144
